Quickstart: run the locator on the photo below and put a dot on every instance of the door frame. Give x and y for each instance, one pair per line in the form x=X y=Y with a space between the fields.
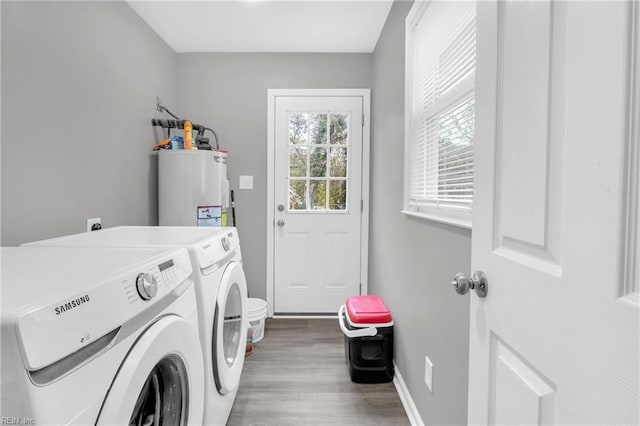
x=272 y=95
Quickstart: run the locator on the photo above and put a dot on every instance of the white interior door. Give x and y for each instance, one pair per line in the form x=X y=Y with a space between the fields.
x=556 y=339
x=318 y=205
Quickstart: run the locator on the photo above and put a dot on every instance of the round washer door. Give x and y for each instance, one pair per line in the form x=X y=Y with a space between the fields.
x=230 y=329
x=160 y=381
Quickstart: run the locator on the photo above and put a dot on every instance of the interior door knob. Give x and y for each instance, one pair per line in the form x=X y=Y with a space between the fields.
x=281 y=223
x=478 y=282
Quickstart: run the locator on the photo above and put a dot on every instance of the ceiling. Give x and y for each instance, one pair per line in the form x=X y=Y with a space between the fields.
x=266 y=25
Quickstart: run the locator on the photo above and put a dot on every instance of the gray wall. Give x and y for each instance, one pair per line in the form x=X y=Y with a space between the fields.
x=412 y=261
x=79 y=81
x=228 y=92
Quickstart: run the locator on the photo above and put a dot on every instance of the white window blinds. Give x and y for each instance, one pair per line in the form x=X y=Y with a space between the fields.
x=441 y=54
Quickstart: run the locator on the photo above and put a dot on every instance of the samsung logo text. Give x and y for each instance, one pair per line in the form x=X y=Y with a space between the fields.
x=72 y=304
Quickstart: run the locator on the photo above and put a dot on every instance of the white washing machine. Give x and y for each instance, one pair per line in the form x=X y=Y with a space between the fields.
x=221 y=294
x=99 y=336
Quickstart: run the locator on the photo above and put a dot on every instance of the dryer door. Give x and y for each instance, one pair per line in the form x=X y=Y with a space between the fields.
x=230 y=328
x=161 y=379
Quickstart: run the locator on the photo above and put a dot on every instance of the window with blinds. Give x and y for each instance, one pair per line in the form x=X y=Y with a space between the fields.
x=441 y=52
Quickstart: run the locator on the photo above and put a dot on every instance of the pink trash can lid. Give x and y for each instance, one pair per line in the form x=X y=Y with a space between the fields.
x=367 y=310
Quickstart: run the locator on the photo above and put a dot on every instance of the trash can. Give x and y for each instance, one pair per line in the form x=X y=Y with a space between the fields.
x=368 y=329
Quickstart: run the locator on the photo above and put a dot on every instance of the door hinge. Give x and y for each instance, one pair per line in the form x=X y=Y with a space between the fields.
x=360 y=289
x=361 y=206
x=363 y=119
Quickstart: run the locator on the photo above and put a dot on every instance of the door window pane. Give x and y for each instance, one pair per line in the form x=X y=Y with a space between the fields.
x=298 y=194
x=338 y=163
x=317 y=174
x=317 y=128
x=339 y=129
x=318 y=162
x=298 y=161
x=318 y=190
x=298 y=129
x=338 y=195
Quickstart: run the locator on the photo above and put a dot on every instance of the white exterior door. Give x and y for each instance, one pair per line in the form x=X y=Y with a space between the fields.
x=555 y=223
x=318 y=207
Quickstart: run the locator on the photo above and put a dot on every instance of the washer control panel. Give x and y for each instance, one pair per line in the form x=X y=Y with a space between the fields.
x=64 y=325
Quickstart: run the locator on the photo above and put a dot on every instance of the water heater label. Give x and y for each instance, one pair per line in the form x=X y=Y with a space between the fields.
x=209 y=216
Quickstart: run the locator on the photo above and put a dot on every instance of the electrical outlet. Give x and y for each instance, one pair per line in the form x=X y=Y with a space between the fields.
x=94 y=224
x=158 y=104
x=428 y=373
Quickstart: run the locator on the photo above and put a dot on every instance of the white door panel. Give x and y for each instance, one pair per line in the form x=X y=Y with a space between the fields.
x=317 y=194
x=556 y=340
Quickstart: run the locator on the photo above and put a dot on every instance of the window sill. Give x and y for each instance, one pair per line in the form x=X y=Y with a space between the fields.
x=460 y=223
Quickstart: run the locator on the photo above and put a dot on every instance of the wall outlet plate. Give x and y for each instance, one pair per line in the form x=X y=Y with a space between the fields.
x=428 y=373
x=94 y=224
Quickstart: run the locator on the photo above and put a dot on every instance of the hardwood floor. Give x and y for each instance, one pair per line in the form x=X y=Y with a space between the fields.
x=297 y=375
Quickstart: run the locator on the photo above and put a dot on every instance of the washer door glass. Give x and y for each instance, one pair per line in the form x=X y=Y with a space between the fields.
x=232 y=328
x=163 y=399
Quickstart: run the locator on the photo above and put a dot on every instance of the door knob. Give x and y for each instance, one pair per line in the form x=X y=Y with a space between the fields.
x=281 y=223
x=477 y=282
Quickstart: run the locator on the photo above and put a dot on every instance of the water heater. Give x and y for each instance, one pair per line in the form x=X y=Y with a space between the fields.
x=193 y=189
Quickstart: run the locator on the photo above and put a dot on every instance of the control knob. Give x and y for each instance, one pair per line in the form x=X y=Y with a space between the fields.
x=146 y=285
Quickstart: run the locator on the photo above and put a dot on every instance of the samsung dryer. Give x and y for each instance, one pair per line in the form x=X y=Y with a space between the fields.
x=221 y=294
x=99 y=336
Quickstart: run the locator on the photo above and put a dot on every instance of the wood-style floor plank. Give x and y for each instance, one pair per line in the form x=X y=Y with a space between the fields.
x=298 y=375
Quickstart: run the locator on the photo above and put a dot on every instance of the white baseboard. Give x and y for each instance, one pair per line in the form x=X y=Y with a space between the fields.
x=405 y=398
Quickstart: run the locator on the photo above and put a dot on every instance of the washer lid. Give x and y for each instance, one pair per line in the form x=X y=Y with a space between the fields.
x=137 y=236
x=211 y=244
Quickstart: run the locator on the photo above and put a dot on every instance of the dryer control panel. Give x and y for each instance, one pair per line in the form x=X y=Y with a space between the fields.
x=217 y=248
